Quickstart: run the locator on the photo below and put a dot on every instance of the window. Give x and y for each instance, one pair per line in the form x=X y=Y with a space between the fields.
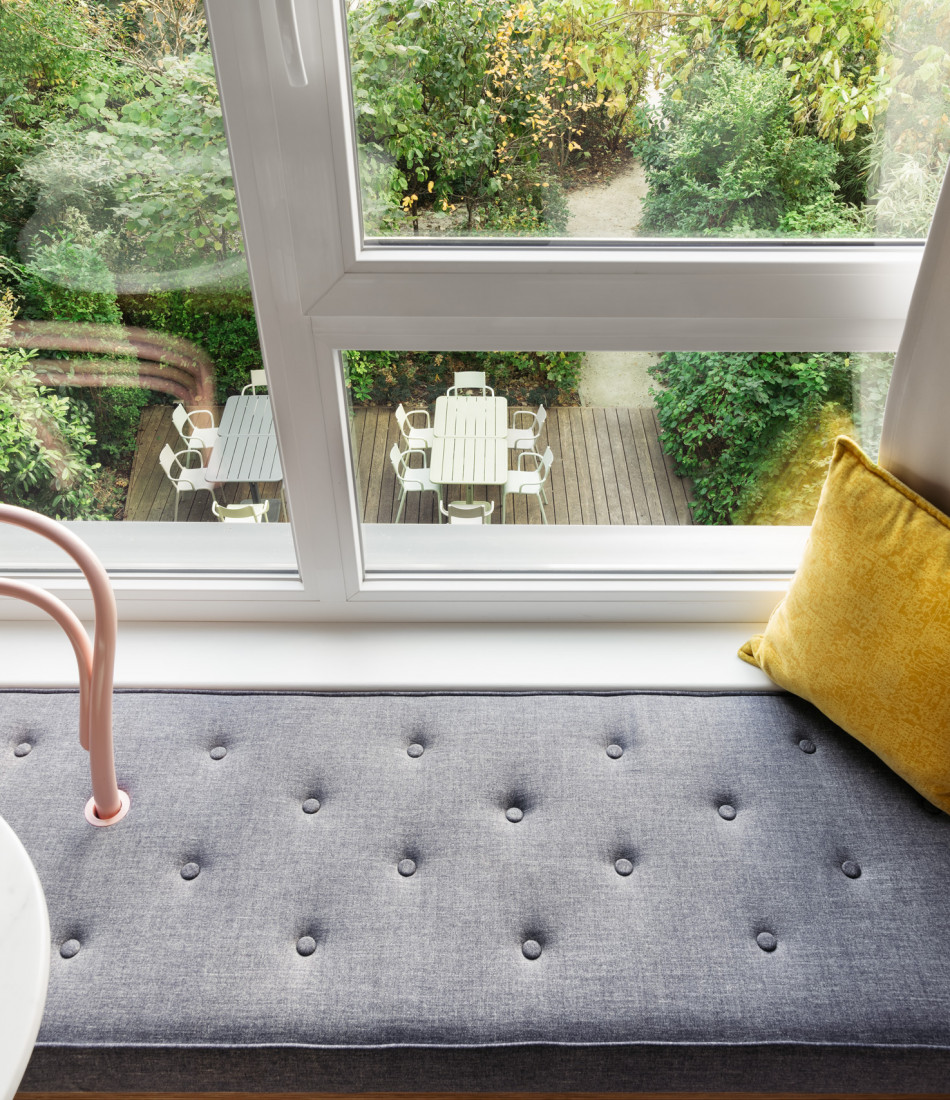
x=324 y=288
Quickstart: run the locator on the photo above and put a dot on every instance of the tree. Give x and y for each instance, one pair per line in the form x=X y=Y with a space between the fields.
x=154 y=171
x=830 y=50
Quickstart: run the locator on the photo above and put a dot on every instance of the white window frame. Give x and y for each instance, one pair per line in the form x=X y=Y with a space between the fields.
x=318 y=289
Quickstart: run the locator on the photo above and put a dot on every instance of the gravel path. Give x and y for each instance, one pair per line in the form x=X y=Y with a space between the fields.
x=612 y=209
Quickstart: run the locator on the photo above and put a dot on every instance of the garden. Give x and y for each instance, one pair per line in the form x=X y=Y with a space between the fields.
x=121 y=258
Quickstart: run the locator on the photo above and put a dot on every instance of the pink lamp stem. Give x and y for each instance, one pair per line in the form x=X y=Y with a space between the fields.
x=96 y=663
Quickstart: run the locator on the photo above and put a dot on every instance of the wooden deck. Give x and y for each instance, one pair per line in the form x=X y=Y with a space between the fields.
x=151 y=496
x=608 y=468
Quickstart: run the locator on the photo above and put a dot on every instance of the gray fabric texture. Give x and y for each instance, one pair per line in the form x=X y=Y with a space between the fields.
x=664 y=962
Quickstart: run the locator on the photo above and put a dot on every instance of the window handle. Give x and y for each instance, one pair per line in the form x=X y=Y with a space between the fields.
x=290 y=43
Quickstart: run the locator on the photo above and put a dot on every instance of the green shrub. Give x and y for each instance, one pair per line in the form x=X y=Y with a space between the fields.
x=723 y=159
x=221 y=322
x=722 y=415
x=46 y=440
x=69 y=281
x=523 y=377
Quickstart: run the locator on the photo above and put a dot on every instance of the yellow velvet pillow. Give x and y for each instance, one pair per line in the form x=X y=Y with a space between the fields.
x=864 y=631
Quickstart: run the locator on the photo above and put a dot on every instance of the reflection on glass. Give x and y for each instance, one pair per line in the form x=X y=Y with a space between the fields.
x=126 y=320
x=606 y=437
x=650 y=118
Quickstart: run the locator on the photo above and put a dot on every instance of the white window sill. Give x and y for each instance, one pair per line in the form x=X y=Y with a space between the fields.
x=307 y=656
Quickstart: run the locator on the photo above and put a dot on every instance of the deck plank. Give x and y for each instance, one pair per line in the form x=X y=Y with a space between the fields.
x=684 y=514
x=645 y=460
x=659 y=467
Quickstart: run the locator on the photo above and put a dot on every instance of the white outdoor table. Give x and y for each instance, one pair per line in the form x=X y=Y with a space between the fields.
x=24 y=959
x=246 y=447
x=470 y=442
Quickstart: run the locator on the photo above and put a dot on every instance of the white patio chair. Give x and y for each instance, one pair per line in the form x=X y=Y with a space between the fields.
x=193 y=437
x=530 y=482
x=185 y=479
x=258 y=378
x=411 y=479
x=525 y=436
x=417 y=438
x=460 y=511
x=245 y=512
x=470 y=380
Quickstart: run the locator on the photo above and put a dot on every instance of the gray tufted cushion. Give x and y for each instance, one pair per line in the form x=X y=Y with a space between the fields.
x=222 y=918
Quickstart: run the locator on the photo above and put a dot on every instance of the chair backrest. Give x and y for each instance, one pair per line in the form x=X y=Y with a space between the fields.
x=167 y=459
x=401 y=418
x=258 y=378
x=396 y=458
x=542 y=415
x=241 y=513
x=460 y=511
x=471 y=380
x=180 y=419
x=547 y=461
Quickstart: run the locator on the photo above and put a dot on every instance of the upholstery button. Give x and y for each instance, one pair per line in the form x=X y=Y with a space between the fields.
x=851 y=869
x=190 y=870
x=219 y=752
x=513 y=813
x=806 y=746
x=531 y=949
x=406 y=867
x=766 y=941
x=615 y=751
x=311 y=806
x=23 y=749
x=727 y=812
x=69 y=948
x=306 y=945
x=415 y=749
x=623 y=867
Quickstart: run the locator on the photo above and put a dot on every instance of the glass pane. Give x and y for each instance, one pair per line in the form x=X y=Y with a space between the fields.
x=650 y=118
x=128 y=329
x=668 y=438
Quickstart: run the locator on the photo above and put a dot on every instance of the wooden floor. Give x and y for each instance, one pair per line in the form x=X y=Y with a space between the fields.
x=608 y=468
x=151 y=495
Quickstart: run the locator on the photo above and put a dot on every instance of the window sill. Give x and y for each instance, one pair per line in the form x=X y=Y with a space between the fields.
x=397 y=657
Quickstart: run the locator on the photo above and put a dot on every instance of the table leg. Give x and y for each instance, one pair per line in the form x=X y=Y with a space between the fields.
x=469 y=494
x=255 y=492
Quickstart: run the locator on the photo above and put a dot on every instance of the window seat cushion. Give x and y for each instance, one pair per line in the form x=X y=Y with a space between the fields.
x=568 y=891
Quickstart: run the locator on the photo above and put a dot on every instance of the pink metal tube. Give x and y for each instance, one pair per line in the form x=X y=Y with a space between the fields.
x=56 y=609
x=95 y=723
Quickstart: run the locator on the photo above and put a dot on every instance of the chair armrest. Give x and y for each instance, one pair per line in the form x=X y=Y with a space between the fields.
x=423 y=412
x=538 y=461
x=189 y=419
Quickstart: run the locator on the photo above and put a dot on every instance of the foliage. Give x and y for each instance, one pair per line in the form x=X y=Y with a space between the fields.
x=722 y=415
x=45 y=440
x=523 y=377
x=787 y=489
x=481 y=107
x=152 y=167
x=159 y=28
x=908 y=153
x=220 y=321
x=829 y=49
x=722 y=158
x=69 y=281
